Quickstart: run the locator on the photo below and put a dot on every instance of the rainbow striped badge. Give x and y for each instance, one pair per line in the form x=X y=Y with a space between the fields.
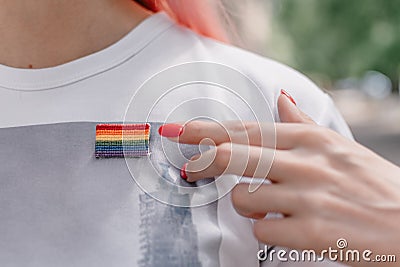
x=122 y=140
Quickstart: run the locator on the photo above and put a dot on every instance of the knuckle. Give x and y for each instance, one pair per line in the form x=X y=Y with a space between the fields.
x=194 y=126
x=314 y=201
x=343 y=156
x=239 y=126
x=302 y=198
x=304 y=132
x=317 y=135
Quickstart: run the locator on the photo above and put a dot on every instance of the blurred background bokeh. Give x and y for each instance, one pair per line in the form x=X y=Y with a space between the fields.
x=350 y=48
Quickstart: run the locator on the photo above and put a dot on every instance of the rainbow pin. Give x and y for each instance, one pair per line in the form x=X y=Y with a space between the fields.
x=122 y=140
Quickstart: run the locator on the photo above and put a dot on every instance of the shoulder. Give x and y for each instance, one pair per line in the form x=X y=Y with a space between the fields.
x=269 y=75
x=180 y=45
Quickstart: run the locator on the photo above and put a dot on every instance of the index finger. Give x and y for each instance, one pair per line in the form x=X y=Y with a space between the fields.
x=280 y=135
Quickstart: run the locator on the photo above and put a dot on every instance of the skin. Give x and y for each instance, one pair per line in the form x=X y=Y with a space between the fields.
x=326 y=186
x=47 y=33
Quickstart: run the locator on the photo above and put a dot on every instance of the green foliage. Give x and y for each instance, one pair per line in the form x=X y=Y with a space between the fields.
x=342 y=38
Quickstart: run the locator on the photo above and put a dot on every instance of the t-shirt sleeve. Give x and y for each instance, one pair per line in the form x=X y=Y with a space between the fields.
x=330 y=117
x=271 y=76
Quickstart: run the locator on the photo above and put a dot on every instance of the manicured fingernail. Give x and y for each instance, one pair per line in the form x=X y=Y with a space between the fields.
x=171 y=130
x=283 y=92
x=183 y=172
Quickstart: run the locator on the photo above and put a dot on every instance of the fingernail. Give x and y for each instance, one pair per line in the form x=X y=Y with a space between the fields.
x=183 y=172
x=283 y=92
x=171 y=130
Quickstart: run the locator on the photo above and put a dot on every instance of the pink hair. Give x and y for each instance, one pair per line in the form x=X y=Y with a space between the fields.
x=202 y=16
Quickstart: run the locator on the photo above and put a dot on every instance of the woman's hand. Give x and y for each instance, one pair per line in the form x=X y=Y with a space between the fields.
x=326 y=186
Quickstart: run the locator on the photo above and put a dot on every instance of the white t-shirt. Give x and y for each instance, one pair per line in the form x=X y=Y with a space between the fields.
x=77 y=228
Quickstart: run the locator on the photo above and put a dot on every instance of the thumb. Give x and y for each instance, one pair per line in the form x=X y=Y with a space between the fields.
x=288 y=111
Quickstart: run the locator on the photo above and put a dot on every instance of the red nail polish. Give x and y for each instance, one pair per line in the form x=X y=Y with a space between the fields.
x=283 y=92
x=171 y=130
x=183 y=172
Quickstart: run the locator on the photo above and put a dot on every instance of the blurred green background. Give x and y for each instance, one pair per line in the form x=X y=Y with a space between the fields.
x=350 y=48
x=338 y=39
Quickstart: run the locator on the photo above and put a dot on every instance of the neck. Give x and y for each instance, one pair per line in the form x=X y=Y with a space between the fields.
x=46 y=33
